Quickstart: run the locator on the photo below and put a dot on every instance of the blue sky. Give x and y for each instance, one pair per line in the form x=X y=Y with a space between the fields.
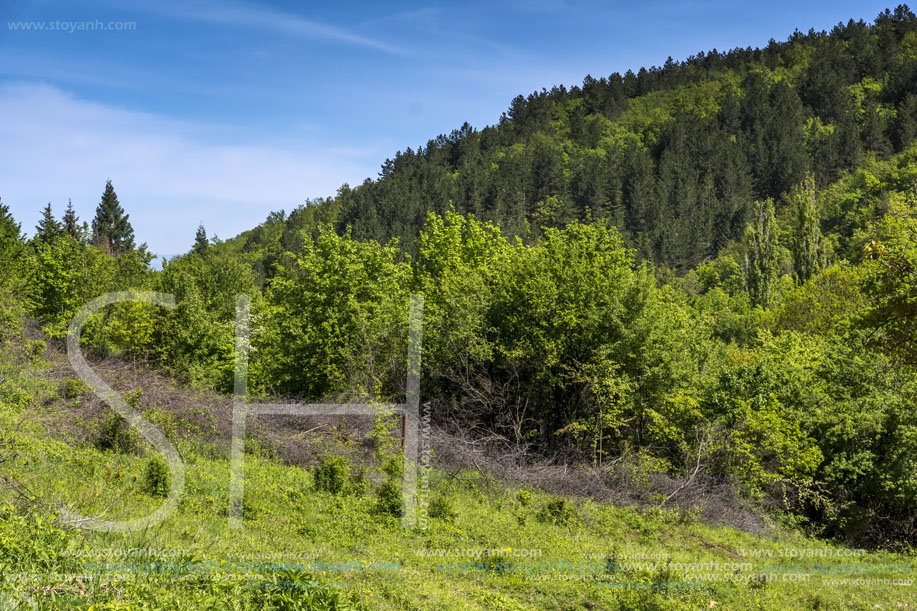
x=220 y=112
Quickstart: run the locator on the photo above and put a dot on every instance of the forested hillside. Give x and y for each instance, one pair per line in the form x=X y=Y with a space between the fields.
x=673 y=156
x=694 y=278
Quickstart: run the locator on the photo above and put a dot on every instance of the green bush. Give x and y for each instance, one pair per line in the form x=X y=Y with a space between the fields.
x=388 y=498
x=359 y=483
x=393 y=466
x=525 y=497
x=36 y=349
x=379 y=438
x=117 y=435
x=14 y=397
x=156 y=477
x=73 y=388
x=559 y=511
x=332 y=475
x=442 y=508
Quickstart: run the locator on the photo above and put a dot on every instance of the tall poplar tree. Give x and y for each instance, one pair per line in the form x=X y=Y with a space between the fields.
x=761 y=256
x=807 y=238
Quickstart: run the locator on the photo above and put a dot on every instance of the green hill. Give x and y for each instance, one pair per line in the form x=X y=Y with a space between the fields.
x=673 y=156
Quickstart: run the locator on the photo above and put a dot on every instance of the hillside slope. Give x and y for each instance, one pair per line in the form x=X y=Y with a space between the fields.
x=488 y=544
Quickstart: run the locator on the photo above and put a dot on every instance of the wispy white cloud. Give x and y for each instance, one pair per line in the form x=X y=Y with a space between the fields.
x=255 y=16
x=168 y=174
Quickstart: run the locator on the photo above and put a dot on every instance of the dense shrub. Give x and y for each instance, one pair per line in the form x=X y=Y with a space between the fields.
x=441 y=507
x=388 y=498
x=156 y=477
x=559 y=511
x=332 y=475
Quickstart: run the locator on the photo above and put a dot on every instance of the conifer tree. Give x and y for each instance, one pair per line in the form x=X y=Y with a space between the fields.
x=71 y=221
x=111 y=230
x=10 y=236
x=200 y=240
x=8 y=225
x=48 y=228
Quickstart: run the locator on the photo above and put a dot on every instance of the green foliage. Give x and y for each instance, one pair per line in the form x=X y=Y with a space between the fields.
x=194 y=340
x=68 y=274
x=380 y=438
x=300 y=591
x=826 y=304
x=201 y=244
x=762 y=447
x=12 y=248
x=73 y=389
x=111 y=230
x=388 y=498
x=761 y=264
x=442 y=508
x=115 y=433
x=35 y=349
x=525 y=497
x=48 y=228
x=866 y=436
x=559 y=511
x=359 y=482
x=156 y=477
x=332 y=475
x=809 y=254
x=335 y=321
x=456 y=266
x=70 y=223
x=393 y=466
x=892 y=282
x=14 y=397
x=31 y=540
x=131 y=328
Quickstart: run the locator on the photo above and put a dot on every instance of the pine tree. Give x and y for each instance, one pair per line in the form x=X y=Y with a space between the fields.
x=111 y=230
x=71 y=221
x=761 y=256
x=200 y=240
x=874 y=132
x=9 y=228
x=48 y=228
x=906 y=122
x=10 y=236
